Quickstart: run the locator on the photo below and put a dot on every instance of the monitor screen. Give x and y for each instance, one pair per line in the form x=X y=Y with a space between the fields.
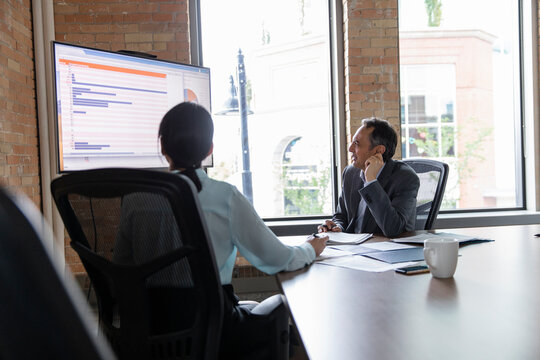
x=109 y=106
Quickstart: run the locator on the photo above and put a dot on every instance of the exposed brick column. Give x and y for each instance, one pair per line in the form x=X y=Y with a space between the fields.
x=19 y=152
x=370 y=31
x=156 y=27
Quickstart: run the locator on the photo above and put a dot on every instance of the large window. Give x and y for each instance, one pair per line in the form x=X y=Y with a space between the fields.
x=279 y=154
x=460 y=95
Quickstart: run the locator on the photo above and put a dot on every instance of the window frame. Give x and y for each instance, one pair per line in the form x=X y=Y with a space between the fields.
x=519 y=136
x=525 y=169
x=519 y=123
x=338 y=159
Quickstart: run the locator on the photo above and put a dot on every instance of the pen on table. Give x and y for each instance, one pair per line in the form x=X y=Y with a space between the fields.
x=537 y=235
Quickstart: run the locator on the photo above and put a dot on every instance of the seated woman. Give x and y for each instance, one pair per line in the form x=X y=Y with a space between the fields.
x=185 y=134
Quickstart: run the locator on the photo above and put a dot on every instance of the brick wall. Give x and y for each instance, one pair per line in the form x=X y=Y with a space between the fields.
x=370 y=31
x=151 y=26
x=157 y=27
x=19 y=149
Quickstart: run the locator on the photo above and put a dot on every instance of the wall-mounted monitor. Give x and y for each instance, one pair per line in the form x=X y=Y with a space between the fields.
x=109 y=105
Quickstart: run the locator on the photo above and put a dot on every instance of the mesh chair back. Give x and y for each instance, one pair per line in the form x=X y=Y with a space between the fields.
x=433 y=175
x=144 y=244
x=42 y=312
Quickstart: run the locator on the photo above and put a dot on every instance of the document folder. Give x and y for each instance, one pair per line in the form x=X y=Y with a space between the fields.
x=398 y=256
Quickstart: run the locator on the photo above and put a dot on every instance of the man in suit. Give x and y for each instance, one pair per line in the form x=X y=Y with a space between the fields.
x=378 y=194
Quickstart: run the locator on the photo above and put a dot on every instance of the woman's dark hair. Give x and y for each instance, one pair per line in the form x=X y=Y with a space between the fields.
x=382 y=134
x=186 y=133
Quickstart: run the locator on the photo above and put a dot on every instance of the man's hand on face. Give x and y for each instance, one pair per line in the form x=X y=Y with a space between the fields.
x=372 y=166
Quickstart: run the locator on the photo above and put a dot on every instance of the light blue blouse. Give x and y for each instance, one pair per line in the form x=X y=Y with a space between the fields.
x=235 y=226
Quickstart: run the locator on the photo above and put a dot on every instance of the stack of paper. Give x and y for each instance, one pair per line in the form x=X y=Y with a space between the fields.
x=363 y=263
x=341 y=238
x=376 y=257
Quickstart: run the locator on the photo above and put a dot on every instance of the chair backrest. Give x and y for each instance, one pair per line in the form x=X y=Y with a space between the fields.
x=42 y=312
x=433 y=175
x=143 y=241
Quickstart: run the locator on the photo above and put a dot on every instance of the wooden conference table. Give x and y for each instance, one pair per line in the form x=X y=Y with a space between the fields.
x=490 y=309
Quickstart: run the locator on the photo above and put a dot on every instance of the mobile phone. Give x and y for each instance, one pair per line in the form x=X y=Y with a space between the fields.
x=416 y=269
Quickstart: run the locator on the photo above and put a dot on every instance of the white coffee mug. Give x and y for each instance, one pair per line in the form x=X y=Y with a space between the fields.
x=441 y=256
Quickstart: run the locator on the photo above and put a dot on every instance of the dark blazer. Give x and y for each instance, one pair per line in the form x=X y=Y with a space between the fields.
x=390 y=202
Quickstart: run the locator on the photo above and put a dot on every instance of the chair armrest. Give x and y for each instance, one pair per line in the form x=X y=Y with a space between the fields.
x=273 y=312
x=248 y=302
x=269 y=305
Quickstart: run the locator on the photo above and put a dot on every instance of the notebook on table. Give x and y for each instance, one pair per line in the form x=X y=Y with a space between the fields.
x=341 y=238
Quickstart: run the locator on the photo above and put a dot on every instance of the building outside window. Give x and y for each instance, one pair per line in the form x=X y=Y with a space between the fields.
x=305 y=189
x=287 y=65
x=460 y=95
x=428 y=126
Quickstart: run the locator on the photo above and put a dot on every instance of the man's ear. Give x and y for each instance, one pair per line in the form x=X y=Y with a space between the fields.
x=380 y=149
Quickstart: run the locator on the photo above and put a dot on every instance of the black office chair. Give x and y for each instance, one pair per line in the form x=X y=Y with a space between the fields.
x=144 y=244
x=42 y=312
x=433 y=176
x=166 y=303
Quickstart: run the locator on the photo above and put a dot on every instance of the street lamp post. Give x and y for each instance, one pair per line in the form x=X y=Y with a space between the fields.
x=233 y=106
x=246 y=171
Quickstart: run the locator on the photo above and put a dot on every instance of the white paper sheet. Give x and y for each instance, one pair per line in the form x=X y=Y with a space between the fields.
x=387 y=245
x=353 y=249
x=363 y=263
x=329 y=253
x=370 y=247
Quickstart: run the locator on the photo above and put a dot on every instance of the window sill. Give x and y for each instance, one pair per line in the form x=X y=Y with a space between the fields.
x=444 y=221
x=481 y=219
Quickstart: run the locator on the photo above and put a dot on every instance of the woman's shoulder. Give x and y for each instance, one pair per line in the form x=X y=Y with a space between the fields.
x=216 y=188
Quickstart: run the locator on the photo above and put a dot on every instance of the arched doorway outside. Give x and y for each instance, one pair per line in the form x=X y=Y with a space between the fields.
x=304 y=180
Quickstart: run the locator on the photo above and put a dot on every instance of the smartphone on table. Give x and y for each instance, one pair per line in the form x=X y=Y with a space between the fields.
x=414 y=269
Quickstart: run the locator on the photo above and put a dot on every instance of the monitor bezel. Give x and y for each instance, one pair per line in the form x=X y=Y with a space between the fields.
x=127 y=55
